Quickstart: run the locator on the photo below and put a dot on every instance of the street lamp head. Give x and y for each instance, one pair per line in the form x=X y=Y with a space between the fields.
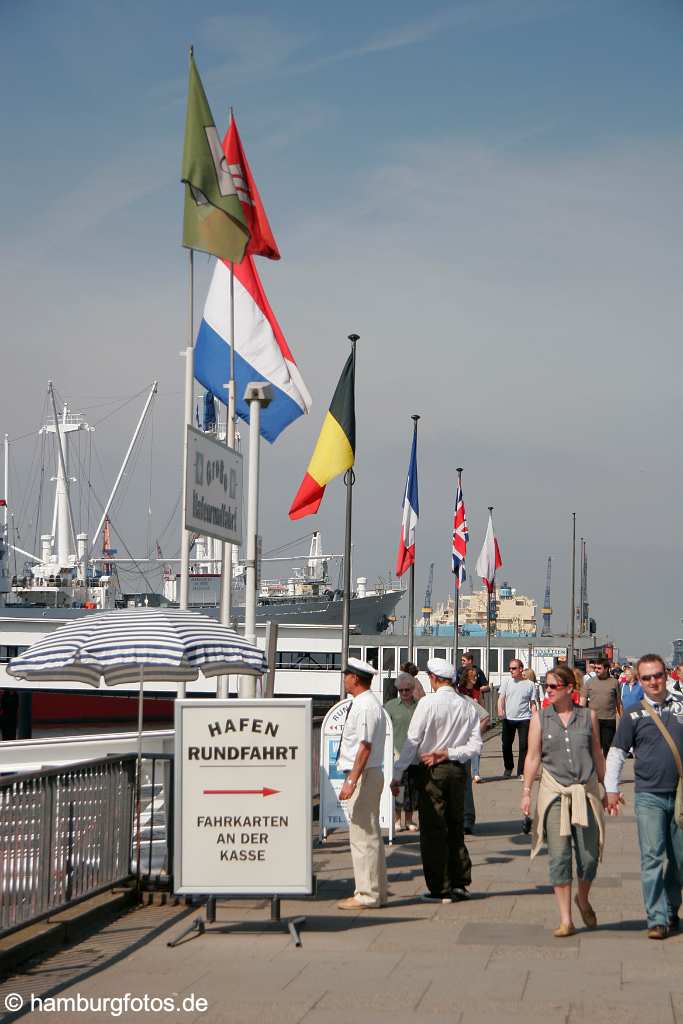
x=259 y=391
x=354 y=338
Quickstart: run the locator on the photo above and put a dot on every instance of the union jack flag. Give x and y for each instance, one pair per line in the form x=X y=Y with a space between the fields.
x=460 y=538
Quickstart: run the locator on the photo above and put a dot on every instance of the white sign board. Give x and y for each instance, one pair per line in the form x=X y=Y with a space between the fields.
x=243 y=797
x=544 y=658
x=333 y=813
x=213 y=492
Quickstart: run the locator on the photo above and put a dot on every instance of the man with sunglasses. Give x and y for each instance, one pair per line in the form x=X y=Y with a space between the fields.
x=656 y=780
x=516 y=699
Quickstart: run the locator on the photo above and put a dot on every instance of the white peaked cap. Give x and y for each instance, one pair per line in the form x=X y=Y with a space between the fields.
x=441 y=668
x=360 y=668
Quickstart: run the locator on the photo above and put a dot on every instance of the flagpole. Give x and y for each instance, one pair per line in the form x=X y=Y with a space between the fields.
x=411 y=583
x=189 y=383
x=572 y=611
x=349 y=480
x=488 y=630
x=225 y=611
x=456 y=596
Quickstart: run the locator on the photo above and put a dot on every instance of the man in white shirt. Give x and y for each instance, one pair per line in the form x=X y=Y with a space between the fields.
x=444 y=731
x=361 y=755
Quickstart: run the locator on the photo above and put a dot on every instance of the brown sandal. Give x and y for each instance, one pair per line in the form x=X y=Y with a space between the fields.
x=587 y=913
x=564 y=931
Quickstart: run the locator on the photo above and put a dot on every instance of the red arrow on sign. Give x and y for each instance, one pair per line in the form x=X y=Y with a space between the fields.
x=241 y=792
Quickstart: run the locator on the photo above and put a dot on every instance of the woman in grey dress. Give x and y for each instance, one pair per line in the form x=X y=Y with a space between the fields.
x=564 y=741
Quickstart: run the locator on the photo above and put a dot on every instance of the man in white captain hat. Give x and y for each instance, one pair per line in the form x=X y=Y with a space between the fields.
x=444 y=731
x=361 y=754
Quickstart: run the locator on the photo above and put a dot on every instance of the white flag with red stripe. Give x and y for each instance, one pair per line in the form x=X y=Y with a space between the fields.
x=489 y=557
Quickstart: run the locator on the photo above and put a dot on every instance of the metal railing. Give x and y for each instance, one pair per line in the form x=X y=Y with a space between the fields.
x=65 y=834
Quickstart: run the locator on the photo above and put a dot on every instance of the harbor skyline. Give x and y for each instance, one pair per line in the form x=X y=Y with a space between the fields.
x=489 y=195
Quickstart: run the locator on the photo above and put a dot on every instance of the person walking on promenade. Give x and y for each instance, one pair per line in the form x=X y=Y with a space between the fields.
x=631 y=691
x=466 y=663
x=564 y=740
x=516 y=699
x=655 y=731
x=469 y=687
x=411 y=668
x=601 y=693
x=400 y=711
x=444 y=731
x=361 y=754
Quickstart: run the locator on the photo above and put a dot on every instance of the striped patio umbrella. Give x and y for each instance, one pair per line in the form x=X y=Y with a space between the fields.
x=123 y=646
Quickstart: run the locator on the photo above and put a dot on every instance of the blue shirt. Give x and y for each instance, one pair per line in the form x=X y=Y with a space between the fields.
x=631 y=693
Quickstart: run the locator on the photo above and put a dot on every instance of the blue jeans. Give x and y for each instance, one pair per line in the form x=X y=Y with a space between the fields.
x=661 y=856
x=474 y=763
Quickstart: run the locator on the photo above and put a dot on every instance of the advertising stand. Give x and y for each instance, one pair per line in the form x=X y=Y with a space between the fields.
x=333 y=813
x=243 y=791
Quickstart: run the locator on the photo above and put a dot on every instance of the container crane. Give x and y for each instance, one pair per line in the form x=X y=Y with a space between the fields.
x=427 y=608
x=547 y=610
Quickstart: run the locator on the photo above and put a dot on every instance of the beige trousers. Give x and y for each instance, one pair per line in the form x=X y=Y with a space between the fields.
x=367 y=845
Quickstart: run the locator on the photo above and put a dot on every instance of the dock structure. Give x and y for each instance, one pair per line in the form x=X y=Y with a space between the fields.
x=485 y=960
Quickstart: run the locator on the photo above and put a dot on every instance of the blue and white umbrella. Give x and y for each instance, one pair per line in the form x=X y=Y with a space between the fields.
x=121 y=647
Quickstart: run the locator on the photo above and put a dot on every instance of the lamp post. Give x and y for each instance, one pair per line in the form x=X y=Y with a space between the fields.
x=258 y=395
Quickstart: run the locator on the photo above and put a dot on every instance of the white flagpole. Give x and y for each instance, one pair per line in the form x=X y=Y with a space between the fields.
x=189 y=385
x=230 y=430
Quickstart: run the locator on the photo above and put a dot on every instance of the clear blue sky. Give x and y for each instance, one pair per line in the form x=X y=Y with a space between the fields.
x=488 y=192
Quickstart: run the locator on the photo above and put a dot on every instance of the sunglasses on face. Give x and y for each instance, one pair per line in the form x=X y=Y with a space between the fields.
x=555 y=686
x=652 y=675
x=405 y=691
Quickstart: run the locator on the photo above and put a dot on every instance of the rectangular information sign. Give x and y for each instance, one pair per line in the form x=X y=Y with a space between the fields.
x=243 y=797
x=213 y=492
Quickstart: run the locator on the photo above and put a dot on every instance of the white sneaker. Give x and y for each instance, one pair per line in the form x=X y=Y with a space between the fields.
x=427 y=897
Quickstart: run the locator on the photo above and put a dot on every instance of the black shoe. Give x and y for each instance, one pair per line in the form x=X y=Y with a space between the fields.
x=526 y=826
x=469 y=830
x=459 y=894
x=429 y=897
x=674 y=923
x=507 y=774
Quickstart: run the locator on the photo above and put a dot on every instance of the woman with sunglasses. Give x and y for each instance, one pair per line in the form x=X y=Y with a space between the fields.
x=564 y=741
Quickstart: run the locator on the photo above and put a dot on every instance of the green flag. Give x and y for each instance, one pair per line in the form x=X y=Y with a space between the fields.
x=213 y=219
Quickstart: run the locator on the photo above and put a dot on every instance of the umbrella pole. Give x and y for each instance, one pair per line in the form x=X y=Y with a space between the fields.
x=138 y=781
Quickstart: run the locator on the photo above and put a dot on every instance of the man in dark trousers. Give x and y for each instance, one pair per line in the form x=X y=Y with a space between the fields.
x=601 y=694
x=515 y=705
x=444 y=732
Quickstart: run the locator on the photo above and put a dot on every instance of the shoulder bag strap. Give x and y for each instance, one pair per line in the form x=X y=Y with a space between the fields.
x=666 y=734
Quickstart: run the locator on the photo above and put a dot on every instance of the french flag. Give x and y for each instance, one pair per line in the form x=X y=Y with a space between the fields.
x=406 y=545
x=261 y=352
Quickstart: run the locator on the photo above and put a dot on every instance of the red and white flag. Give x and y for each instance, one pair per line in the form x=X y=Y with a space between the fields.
x=489 y=557
x=262 y=241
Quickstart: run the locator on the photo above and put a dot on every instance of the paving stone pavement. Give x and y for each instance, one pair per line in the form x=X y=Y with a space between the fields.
x=491 y=958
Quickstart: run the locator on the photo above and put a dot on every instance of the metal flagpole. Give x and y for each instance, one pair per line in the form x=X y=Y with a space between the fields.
x=488 y=633
x=189 y=385
x=456 y=596
x=411 y=584
x=572 y=611
x=230 y=431
x=349 y=480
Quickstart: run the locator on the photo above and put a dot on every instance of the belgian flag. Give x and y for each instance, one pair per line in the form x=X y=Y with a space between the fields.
x=335 y=450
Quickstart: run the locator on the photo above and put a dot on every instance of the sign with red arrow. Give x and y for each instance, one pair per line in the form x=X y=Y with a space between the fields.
x=265 y=791
x=229 y=841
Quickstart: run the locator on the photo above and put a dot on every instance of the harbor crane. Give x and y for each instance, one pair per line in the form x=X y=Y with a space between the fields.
x=427 y=607
x=547 y=610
